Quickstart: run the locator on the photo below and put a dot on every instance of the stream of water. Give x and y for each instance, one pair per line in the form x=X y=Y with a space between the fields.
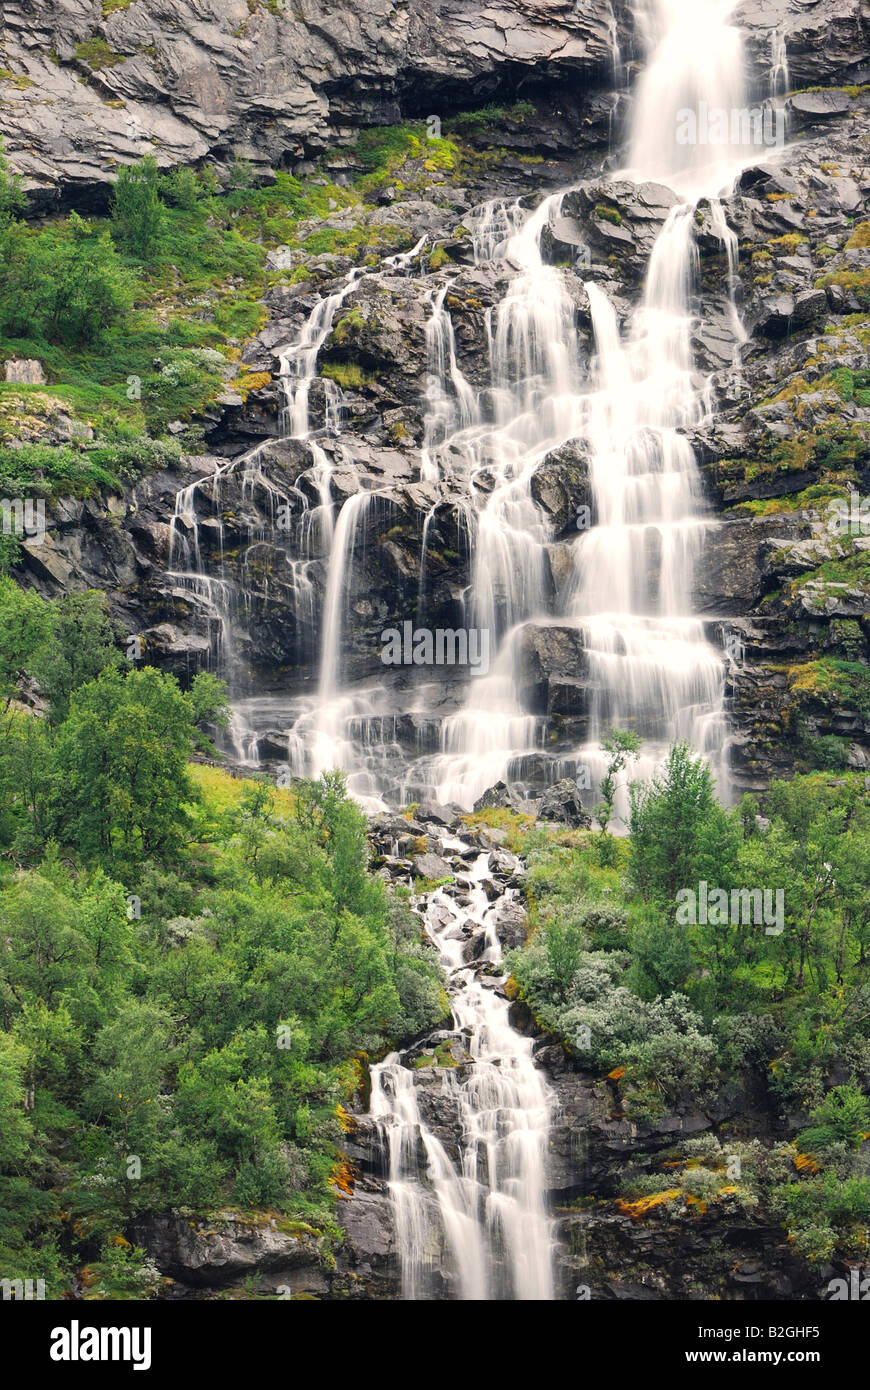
x=477 y=1217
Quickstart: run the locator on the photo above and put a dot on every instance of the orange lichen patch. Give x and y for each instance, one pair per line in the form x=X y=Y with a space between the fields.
x=88 y=1277
x=247 y=381
x=119 y=1240
x=637 y=1210
x=805 y=1163
x=696 y=1202
x=724 y=1191
x=347 y=1122
x=677 y=1163
x=341 y=1178
x=511 y=988
x=616 y=1074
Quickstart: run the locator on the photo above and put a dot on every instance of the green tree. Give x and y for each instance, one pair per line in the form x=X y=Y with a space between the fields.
x=82 y=645
x=679 y=832
x=106 y=926
x=46 y=955
x=661 y=956
x=66 y=285
x=133 y=1055
x=138 y=215
x=25 y=626
x=26 y=784
x=12 y=199
x=181 y=188
x=123 y=787
x=842 y=1118
x=620 y=745
x=208 y=696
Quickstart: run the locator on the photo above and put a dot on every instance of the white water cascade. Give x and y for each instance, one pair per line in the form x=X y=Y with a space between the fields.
x=650 y=666
x=623 y=583
x=315 y=739
x=477 y=1219
x=471 y=1220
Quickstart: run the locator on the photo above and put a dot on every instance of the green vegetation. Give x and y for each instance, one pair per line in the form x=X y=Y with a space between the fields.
x=138 y=318
x=492 y=115
x=857 y=280
x=620 y=745
x=671 y=1004
x=97 y=54
x=194 y=967
x=349 y=375
x=834 y=682
x=608 y=214
x=66 y=287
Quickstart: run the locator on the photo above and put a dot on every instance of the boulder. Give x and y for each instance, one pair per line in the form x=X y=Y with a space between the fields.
x=25 y=371
x=437 y=814
x=563 y=802
x=431 y=866
x=227 y=1247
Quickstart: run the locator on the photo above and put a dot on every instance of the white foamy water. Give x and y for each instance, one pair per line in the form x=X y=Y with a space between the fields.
x=476 y=1218
x=474 y=1214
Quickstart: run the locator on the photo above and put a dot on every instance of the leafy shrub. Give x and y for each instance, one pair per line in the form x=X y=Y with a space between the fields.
x=842 y=1117
x=65 y=286
x=138 y=216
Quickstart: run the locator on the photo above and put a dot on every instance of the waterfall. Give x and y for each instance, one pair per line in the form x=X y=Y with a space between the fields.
x=650 y=665
x=478 y=1219
x=471 y=1218
x=299 y=361
x=311 y=532
x=446 y=413
x=624 y=582
x=778 y=64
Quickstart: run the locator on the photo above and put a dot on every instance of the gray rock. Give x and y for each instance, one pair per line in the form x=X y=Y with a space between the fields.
x=816 y=106
x=431 y=866
x=563 y=802
x=438 y=814
x=192 y=80
x=25 y=371
x=224 y=1248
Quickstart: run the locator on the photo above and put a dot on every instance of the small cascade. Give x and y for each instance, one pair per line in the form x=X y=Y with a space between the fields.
x=473 y=1219
x=299 y=361
x=300 y=517
x=447 y=412
x=328 y=726
x=778 y=65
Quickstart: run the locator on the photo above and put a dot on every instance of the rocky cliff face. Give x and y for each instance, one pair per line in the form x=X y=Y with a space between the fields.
x=783 y=583
x=262 y=80
x=87 y=85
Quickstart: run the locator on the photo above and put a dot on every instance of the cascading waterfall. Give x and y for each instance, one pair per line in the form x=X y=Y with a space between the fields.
x=312 y=535
x=535 y=391
x=778 y=64
x=627 y=591
x=650 y=666
x=478 y=1220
